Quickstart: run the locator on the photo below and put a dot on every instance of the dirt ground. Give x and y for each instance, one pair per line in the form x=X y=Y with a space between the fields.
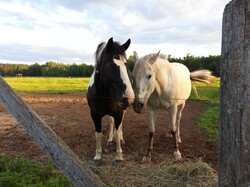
x=68 y=115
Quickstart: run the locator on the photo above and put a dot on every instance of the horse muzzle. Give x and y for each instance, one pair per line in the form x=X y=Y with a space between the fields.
x=138 y=107
x=125 y=102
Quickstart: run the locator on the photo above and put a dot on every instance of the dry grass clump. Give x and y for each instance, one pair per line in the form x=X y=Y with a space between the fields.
x=166 y=173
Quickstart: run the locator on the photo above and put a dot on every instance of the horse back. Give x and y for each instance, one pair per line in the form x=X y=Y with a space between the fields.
x=181 y=81
x=175 y=83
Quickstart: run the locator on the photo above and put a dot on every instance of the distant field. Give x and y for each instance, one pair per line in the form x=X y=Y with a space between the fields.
x=48 y=85
x=73 y=85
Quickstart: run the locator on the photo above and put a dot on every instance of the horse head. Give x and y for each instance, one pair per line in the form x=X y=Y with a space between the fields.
x=143 y=80
x=112 y=73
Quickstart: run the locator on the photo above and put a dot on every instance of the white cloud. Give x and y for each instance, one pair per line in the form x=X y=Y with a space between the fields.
x=70 y=30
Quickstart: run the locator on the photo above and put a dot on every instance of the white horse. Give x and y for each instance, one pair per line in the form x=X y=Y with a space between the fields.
x=157 y=83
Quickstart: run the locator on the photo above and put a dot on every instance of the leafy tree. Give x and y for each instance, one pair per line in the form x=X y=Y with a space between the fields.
x=34 y=70
x=131 y=63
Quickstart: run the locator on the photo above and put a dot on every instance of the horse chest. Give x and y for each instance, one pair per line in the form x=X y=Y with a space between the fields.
x=159 y=101
x=101 y=103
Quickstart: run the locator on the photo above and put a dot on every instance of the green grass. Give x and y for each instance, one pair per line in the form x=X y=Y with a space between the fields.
x=19 y=172
x=206 y=92
x=209 y=119
x=73 y=85
x=48 y=85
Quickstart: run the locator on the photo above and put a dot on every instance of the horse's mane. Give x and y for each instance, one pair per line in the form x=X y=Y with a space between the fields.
x=99 y=52
x=147 y=57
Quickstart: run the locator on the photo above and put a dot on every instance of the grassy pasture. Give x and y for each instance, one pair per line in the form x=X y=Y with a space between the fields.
x=72 y=85
x=206 y=92
x=19 y=172
x=209 y=119
x=48 y=85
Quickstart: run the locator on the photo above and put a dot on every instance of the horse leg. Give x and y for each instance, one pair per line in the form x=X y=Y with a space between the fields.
x=122 y=139
x=173 y=111
x=151 y=128
x=178 y=120
x=169 y=134
x=111 y=130
x=118 y=136
x=98 y=134
x=169 y=131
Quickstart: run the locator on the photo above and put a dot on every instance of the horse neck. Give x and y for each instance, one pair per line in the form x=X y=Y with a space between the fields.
x=101 y=88
x=163 y=72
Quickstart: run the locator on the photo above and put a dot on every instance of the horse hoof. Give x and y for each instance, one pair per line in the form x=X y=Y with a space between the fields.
x=96 y=163
x=177 y=156
x=178 y=140
x=146 y=159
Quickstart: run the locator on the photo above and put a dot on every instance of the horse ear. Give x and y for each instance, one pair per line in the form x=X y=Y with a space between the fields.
x=126 y=44
x=110 y=44
x=154 y=58
x=135 y=56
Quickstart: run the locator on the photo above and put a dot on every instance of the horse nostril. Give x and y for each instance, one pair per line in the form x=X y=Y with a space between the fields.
x=138 y=107
x=141 y=105
x=124 y=102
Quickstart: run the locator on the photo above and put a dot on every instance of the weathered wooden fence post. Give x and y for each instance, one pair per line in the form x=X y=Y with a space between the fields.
x=234 y=132
x=73 y=169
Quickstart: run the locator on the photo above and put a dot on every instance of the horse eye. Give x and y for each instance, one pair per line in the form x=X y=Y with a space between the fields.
x=149 y=76
x=116 y=57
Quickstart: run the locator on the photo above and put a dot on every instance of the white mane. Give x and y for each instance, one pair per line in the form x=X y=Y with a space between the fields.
x=99 y=53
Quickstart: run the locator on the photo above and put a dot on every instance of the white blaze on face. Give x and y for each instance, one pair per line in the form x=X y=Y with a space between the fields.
x=129 y=93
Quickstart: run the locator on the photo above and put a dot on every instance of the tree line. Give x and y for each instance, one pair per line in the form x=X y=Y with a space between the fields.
x=212 y=62
x=55 y=69
x=49 y=69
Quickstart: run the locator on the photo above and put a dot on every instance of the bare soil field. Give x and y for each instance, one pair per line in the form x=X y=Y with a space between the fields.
x=68 y=115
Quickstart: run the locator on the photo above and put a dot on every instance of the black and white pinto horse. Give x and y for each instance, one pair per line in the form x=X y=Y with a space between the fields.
x=110 y=91
x=157 y=83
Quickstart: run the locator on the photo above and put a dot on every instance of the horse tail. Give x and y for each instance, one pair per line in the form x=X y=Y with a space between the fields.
x=204 y=76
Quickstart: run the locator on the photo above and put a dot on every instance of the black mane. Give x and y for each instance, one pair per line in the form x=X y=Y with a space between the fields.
x=101 y=50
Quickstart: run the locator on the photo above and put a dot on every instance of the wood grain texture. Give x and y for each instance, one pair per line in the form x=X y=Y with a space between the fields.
x=234 y=131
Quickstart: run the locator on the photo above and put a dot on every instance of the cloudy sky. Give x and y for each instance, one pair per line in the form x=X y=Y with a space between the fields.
x=68 y=31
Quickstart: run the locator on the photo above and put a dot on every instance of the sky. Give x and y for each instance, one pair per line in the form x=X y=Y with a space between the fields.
x=68 y=31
